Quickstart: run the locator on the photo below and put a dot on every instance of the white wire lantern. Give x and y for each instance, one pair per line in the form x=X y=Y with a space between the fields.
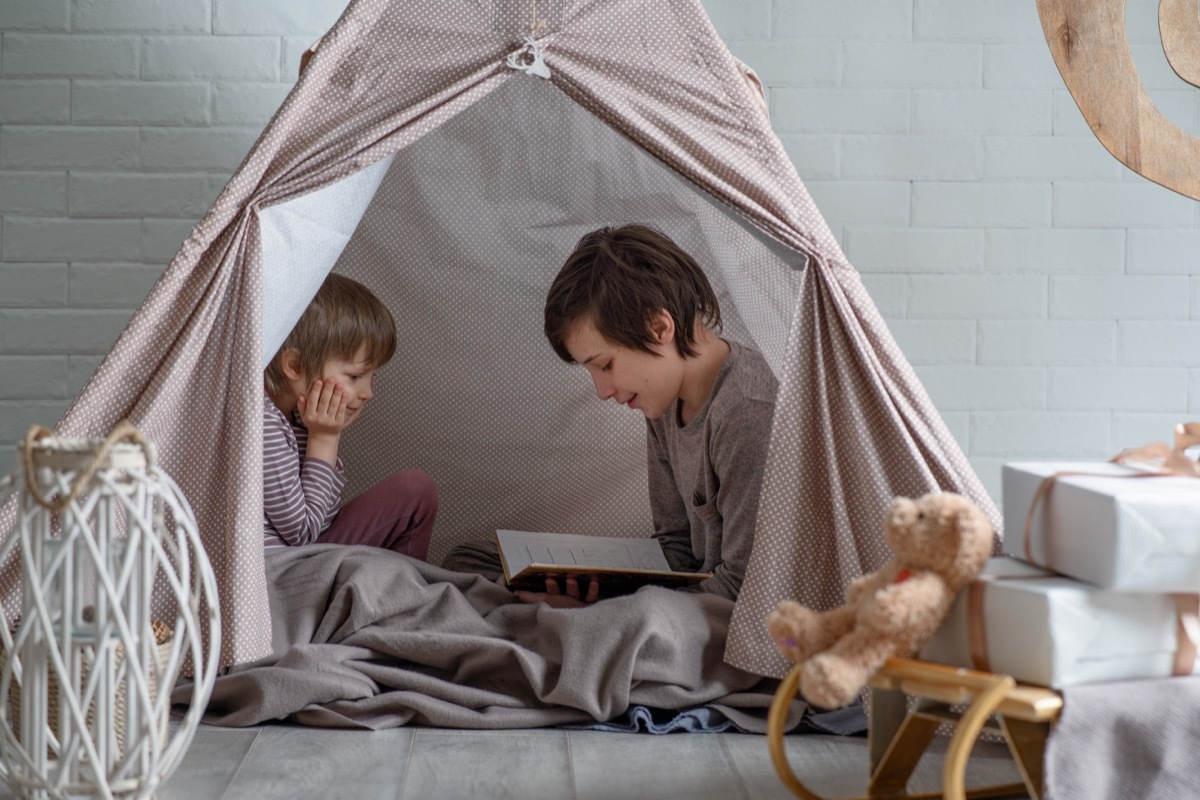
x=118 y=600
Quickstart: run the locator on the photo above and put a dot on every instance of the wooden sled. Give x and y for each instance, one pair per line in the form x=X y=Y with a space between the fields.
x=897 y=738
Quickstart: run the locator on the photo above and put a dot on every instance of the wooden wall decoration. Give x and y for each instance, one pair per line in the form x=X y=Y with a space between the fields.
x=1091 y=48
x=1179 y=26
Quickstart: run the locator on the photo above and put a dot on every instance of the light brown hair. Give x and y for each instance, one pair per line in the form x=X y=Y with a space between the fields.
x=618 y=278
x=342 y=317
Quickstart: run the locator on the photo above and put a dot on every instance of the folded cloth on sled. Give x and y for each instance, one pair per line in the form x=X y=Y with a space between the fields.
x=368 y=638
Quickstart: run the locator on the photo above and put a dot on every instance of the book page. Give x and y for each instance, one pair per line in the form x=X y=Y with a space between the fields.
x=522 y=549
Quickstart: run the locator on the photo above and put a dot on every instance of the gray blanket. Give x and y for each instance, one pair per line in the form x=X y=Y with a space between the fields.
x=1135 y=739
x=364 y=637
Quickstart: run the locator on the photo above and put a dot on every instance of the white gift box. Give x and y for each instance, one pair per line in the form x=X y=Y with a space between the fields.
x=1125 y=534
x=1054 y=631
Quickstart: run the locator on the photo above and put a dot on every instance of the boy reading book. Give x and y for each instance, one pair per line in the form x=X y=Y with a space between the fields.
x=637 y=312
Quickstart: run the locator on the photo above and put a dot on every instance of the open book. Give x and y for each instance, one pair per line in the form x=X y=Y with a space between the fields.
x=620 y=564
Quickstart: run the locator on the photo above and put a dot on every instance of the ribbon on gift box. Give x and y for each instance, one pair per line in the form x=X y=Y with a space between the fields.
x=1169 y=460
x=1158 y=459
x=1187 y=624
x=976 y=629
x=1187 y=632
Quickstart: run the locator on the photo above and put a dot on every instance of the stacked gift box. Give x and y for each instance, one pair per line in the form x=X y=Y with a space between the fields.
x=1099 y=583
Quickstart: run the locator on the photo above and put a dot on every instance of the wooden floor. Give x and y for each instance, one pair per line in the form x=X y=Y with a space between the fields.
x=282 y=761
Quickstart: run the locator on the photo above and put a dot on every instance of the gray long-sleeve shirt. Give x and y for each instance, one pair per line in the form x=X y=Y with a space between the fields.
x=705 y=476
x=301 y=495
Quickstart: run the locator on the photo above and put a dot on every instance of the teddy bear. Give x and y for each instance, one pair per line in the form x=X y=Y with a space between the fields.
x=940 y=542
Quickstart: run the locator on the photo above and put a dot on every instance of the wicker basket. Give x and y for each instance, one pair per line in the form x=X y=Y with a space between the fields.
x=163 y=639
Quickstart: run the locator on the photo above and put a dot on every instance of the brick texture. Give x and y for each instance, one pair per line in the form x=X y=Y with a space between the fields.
x=193 y=16
x=74 y=56
x=939 y=342
x=33 y=285
x=35 y=15
x=1053 y=250
x=1117 y=389
x=1046 y=342
x=75 y=147
x=1120 y=298
x=920 y=250
x=985 y=388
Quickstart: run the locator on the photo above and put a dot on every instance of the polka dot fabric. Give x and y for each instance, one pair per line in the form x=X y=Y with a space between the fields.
x=646 y=118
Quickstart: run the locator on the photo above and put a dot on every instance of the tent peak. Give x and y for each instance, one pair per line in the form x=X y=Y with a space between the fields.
x=530 y=59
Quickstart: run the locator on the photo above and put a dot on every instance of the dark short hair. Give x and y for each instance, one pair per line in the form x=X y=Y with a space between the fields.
x=618 y=278
x=342 y=317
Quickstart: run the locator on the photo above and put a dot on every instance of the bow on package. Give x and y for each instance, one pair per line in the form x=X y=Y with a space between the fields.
x=1162 y=458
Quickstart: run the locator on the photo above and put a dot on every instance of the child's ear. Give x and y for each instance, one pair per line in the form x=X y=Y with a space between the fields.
x=662 y=326
x=291 y=364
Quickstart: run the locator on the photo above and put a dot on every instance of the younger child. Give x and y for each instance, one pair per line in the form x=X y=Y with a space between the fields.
x=315 y=388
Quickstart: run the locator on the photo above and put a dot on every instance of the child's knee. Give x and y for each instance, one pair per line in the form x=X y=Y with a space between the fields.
x=418 y=485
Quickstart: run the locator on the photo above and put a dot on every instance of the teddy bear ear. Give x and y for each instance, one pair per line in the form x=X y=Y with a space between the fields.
x=975 y=539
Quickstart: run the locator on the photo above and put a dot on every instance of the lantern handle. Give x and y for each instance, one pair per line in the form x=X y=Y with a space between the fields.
x=124 y=431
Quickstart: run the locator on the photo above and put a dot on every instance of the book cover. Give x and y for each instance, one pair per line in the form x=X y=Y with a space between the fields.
x=620 y=564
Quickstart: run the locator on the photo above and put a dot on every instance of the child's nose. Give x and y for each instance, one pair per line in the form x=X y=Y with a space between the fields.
x=604 y=389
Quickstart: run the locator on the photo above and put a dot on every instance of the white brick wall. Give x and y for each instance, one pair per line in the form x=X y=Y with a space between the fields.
x=120 y=121
x=1011 y=341
x=1048 y=296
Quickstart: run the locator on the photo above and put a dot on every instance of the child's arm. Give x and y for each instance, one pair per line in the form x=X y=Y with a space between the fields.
x=298 y=498
x=671 y=526
x=737 y=452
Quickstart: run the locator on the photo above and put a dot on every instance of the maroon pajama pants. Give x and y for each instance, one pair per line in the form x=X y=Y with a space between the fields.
x=397 y=513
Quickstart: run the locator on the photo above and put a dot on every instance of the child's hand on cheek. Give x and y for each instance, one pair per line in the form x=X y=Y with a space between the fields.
x=323 y=412
x=323 y=409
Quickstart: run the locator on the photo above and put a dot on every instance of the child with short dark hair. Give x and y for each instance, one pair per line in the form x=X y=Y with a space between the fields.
x=638 y=312
x=314 y=388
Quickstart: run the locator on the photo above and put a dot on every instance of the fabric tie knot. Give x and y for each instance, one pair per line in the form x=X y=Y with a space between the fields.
x=530 y=59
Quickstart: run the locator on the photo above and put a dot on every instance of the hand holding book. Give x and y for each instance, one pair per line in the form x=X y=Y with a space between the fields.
x=567 y=596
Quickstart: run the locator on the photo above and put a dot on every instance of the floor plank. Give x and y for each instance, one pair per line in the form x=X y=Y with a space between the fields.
x=517 y=764
x=837 y=766
x=291 y=762
x=636 y=766
x=212 y=759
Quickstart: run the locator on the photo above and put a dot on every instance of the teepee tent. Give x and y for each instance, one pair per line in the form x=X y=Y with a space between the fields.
x=449 y=155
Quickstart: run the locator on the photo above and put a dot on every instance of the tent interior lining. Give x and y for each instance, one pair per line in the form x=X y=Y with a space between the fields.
x=461 y=239
x=301 y=241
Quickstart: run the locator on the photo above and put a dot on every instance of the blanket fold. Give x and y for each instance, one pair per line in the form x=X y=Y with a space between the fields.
x=364 y=637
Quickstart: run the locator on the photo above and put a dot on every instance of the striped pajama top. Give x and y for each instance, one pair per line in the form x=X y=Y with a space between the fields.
x=301 y=495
